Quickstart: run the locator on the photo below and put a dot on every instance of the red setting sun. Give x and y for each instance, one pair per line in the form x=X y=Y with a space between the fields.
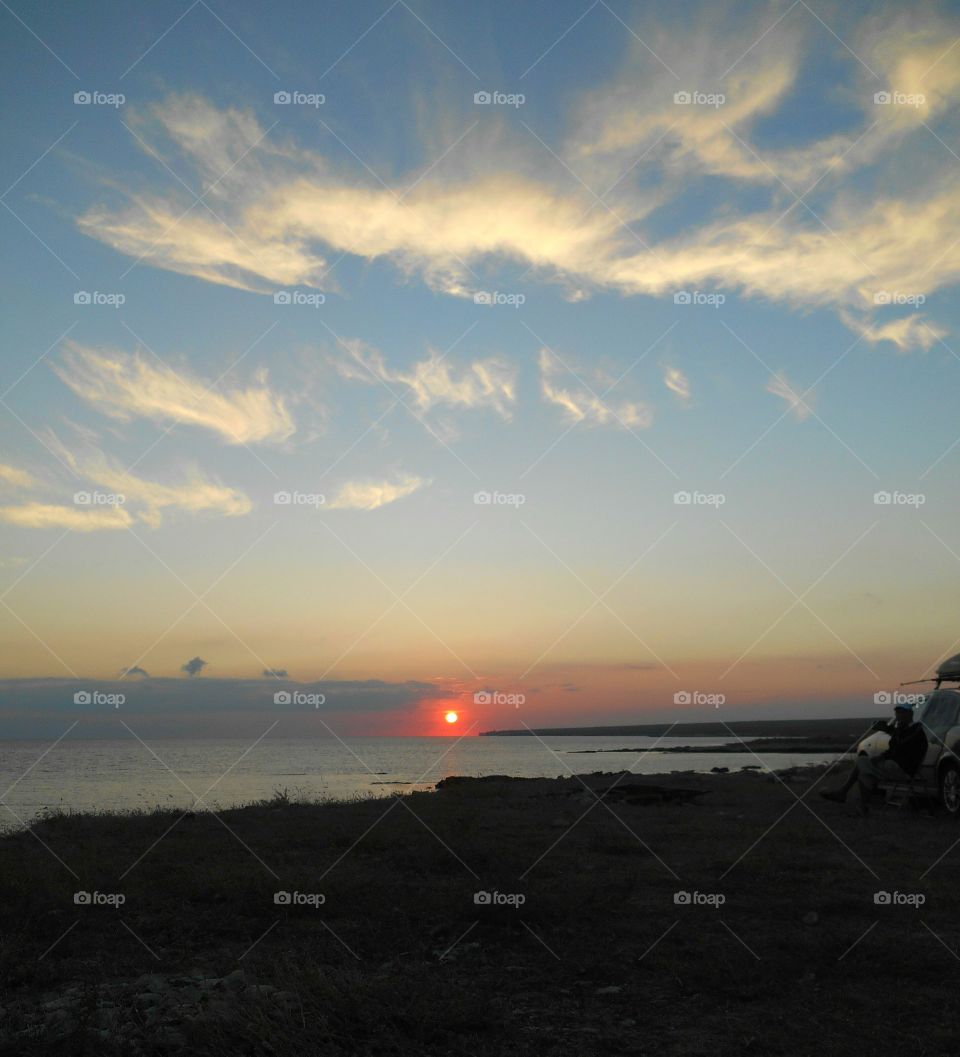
x=451 y=717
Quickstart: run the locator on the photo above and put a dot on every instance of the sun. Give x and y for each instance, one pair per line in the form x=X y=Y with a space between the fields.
x=451 y=717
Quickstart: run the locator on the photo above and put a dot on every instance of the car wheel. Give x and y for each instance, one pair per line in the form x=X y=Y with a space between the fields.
x=950 y=788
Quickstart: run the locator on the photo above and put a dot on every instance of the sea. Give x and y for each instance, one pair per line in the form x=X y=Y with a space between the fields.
x=77 y=775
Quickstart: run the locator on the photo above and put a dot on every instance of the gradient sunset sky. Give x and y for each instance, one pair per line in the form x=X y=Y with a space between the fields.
x=391 y=260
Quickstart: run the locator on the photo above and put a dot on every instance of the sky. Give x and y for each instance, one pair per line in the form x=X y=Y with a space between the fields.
x=579 y=364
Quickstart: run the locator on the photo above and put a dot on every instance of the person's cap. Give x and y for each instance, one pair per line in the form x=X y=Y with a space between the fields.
x=902 y=708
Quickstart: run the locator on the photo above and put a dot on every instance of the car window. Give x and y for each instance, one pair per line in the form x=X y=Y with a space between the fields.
x=940 y=711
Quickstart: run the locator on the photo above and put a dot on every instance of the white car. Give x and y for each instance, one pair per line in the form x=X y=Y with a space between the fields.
x=939 y=711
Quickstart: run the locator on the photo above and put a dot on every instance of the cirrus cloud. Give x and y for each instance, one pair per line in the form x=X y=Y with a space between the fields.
x=370 y=495
x=433 y=381
x=51 y=515
x=581 y=404
x=129 y=498
x=125 y=386
x=14 y=477
x=832 y=239
x=907 y=332
x=798 y=403
x=677 y=382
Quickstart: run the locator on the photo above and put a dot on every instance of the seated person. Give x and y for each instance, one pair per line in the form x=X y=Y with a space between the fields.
x=901 y=761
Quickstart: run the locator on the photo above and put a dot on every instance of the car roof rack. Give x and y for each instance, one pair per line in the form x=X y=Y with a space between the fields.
x=948 y=672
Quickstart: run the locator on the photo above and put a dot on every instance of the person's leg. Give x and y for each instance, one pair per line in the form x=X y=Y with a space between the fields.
x=877 y=770
x=868 y=784
x=867 y=775
x=891 y=771
x=863 y=763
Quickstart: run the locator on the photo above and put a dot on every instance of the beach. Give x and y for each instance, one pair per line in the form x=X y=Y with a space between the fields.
x=605 y=913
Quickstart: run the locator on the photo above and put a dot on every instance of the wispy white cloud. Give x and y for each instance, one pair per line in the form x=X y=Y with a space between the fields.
x=126 y=498
x=241 y=167
x=580 y=404
x=16 y=478
x=434 y=381
x=287 y=208
x=800 y=404
x=369 y=495
x=720 y=55
x=677 y=382
x=145 y=500
x=126 y=386
x=907 y=333
x=80 y=519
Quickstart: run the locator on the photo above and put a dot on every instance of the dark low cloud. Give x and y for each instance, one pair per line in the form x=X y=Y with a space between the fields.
x=174 y=707
x=194 y=666
x=276 y=673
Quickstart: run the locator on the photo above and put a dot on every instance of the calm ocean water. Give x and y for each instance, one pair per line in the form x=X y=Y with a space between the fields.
x=81 y=775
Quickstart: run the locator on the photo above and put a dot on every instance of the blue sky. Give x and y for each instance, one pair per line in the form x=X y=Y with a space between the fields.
x=737 y=157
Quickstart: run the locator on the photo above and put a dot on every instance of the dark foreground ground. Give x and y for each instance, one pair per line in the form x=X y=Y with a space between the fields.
x=602 y=957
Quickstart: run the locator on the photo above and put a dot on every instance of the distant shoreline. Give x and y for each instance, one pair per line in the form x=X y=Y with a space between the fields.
x=768 y=746
x=755 y=728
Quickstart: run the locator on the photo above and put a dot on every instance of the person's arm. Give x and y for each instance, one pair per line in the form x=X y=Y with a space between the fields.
x=915 y=737
x=896 y=743
x=903 y=746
